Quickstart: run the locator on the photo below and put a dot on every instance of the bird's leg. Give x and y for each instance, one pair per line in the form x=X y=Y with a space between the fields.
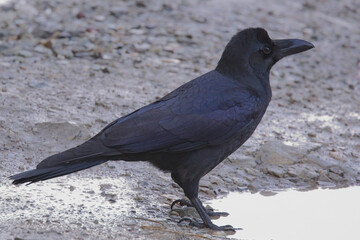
x=205 y=217
x=210 y=212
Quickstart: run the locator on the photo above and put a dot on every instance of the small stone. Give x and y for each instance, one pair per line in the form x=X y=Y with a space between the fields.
x=137 y=31
x=337 y=170
x=252 y=171
x=324 y=178
x=303 y=171
x=320 y=161
x=106 y=56
x=267 y=193
x=80 y=15
x=42 y=49
x=336 y=155
x=104 y=187
x=312 y=135
x=186 y=212
x=100 y=18
x=101 y=104
x=34 y=84
x=105 y=70
x=66 y=52
x=198 y=19
x=142 y=47
x=3 y=47
x=255 y=186
x=207 y=191
x=25 y=54
x=277 y=153
x=240 y=182
x=276 y=171
x=335 y=177
x=171 y=61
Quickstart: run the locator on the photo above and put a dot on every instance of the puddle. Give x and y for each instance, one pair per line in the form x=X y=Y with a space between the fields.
x=292 y=215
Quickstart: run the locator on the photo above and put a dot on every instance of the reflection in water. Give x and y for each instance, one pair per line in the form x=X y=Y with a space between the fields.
x=292 y=215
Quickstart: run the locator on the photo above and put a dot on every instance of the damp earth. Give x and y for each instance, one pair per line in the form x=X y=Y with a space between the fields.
x=67 y=68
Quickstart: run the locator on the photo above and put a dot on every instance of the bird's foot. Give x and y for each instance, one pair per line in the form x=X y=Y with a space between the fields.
x=182 y=202
x=194 y=223
x=210 y=212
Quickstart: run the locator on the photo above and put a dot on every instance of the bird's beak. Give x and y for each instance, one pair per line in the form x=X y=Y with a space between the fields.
x=286 y=47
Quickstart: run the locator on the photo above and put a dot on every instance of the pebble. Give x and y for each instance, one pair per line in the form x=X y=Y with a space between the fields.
x=277 y=153
x=142 y=47
x=25 y=54
x=37 y=84
x=186 y=212
x=337 y=170
x=43 y=50
x=137 y=31
x=324 y=178
x=276 y=171
x=303 y=171
x=100 y=18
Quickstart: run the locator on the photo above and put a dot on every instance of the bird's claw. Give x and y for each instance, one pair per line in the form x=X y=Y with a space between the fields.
x=182 y=202
x=194 y=223
x=210 y=212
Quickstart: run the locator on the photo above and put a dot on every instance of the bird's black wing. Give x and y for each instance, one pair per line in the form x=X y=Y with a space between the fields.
x=185 y=120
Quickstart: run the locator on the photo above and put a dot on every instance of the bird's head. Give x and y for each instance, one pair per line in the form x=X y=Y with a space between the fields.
x=252 y=49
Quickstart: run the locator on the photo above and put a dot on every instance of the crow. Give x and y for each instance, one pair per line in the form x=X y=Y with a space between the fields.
x=192 y=129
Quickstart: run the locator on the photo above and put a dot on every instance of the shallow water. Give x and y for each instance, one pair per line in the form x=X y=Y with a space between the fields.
x=291 y=215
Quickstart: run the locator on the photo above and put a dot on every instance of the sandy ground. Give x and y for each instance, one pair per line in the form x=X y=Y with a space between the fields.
x=69 y=67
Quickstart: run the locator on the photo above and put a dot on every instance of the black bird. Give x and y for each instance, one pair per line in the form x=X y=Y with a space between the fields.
x=192 y=129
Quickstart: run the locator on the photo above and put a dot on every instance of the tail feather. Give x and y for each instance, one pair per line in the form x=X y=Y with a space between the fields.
x=86 y=155
x=42 y=174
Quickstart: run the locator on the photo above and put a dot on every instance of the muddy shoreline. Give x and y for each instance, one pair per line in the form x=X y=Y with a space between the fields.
x=69 y=68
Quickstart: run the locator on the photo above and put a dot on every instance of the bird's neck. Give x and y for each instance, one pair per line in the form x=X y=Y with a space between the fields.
x=246 y=76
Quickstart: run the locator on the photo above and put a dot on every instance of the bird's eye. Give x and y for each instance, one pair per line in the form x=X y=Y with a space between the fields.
x=266 y=50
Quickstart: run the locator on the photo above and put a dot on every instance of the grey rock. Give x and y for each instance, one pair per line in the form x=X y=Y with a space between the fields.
x=324 y=178
x=276 y=171
x=25 y=54
x=137 y=31
x=186 y=212
x=335 y=177
x=142 y=47
x=66 y=52
x=303 y=171
x=43 y=50
x=3 y=47
x=320 y=160
x=34 y=84
x=99 y=18
x=252 y=171
x=337 y=170
x=240 y=182
x=60 y=132
x=277 y=153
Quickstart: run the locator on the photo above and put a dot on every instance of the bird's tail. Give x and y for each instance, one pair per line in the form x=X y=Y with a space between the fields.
x=84 y=156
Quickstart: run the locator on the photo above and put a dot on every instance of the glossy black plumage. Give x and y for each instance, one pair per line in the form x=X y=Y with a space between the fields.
x=191 y=130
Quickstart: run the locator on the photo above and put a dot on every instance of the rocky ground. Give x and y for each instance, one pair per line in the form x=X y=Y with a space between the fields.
x=70 y=67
